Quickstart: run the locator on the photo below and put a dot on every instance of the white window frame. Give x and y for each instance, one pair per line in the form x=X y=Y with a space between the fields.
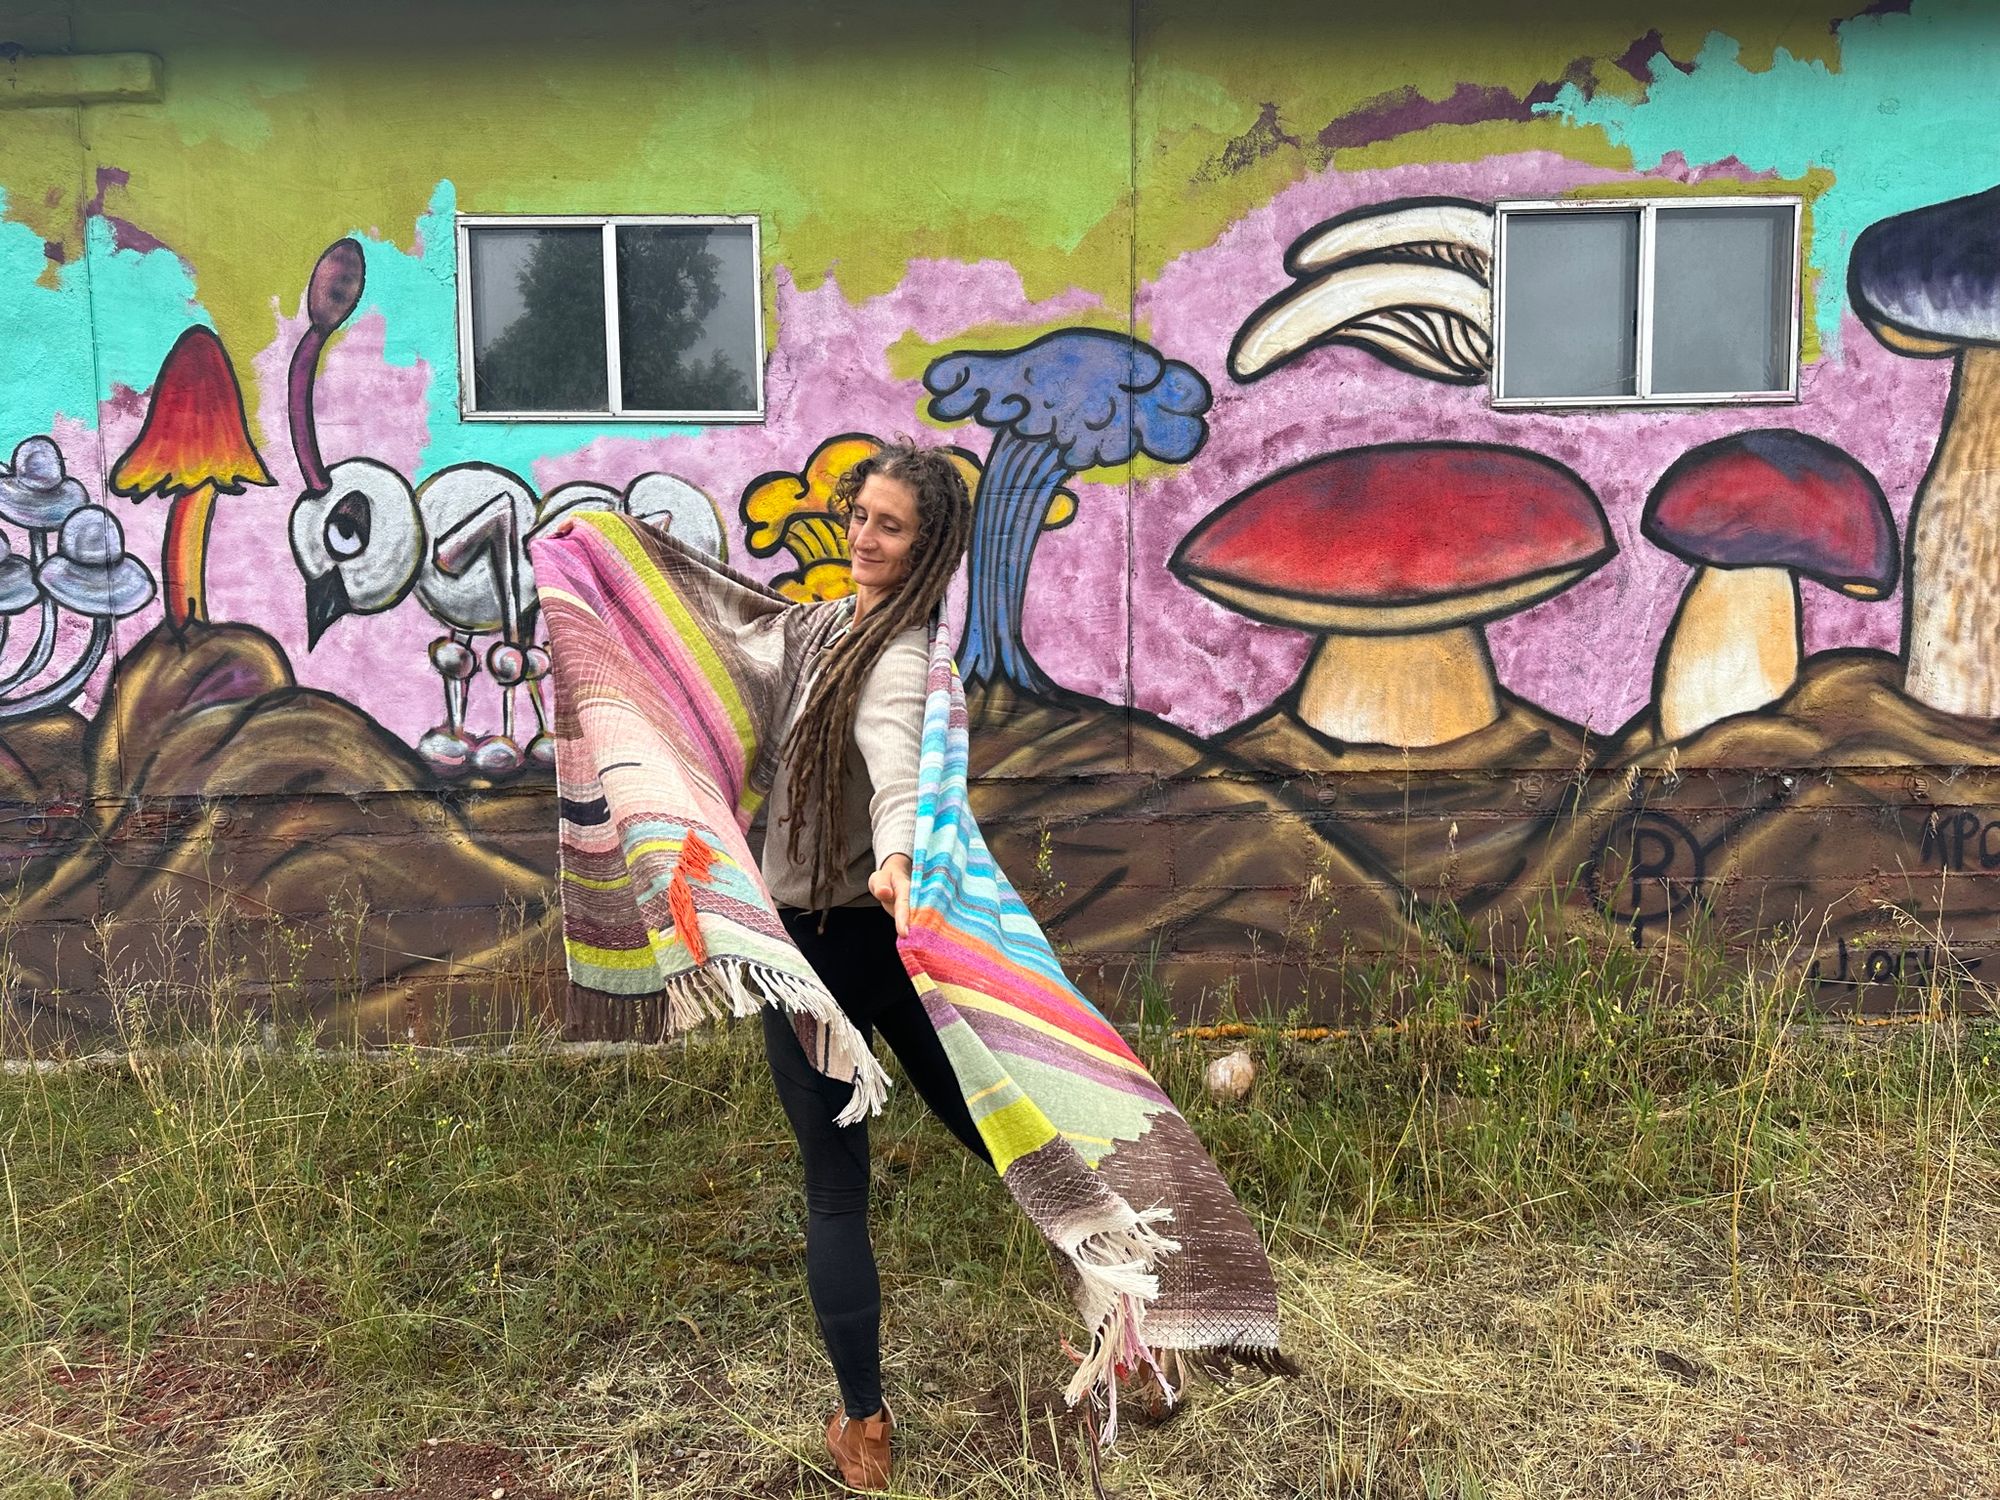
x=608 y=224
x=1648 y=210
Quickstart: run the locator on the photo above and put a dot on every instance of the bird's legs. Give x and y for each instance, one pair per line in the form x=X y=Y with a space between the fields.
x=500 y=754
x=493 y=532
x=446 y=748
x=542 y=748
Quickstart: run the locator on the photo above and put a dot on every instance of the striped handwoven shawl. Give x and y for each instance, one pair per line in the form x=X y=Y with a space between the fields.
x=672 y=677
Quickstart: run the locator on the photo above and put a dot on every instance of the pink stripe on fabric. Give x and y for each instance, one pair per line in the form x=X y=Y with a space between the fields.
x=682 y=684
x=973 y=969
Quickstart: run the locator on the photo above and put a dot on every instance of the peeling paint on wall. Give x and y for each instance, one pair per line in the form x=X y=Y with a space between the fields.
x=1231 y=633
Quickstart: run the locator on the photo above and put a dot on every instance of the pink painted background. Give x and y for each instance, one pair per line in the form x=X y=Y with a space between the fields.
x=1587 y=654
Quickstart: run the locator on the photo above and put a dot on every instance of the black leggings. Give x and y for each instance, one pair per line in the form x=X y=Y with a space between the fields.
x=856 y=958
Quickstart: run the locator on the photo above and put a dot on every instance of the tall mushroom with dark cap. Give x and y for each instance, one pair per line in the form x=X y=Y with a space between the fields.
x=1397 y=555
x=1927 y=283
x=332 y=293
x=1075 y=400
x=1755 y=512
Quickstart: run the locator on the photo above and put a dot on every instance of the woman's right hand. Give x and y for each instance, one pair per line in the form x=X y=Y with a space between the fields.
x=890 y=885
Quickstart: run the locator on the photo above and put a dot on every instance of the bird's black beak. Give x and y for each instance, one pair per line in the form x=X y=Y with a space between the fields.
x=326 y=601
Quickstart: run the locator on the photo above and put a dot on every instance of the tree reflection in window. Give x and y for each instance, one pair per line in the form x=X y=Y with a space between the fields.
x=686 y=318
x=547 y=351
x=684 y=328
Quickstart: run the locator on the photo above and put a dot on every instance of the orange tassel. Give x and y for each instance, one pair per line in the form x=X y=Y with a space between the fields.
x=696 y=860
x=680 y=901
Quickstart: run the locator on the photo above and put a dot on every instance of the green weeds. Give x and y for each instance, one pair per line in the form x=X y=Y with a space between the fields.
x=1599 y=1235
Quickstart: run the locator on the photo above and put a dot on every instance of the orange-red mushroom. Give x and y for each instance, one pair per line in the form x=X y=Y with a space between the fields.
x=195 y=444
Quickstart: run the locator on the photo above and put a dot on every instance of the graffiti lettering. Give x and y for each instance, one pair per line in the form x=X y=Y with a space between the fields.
x=1913 y=966
x=1960 y=840
x=1647 y=867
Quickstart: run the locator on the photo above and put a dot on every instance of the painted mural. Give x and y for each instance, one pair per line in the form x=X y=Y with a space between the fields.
x=1287 y=651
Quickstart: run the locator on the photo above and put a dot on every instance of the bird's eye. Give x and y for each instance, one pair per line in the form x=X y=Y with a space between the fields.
x=347 y=526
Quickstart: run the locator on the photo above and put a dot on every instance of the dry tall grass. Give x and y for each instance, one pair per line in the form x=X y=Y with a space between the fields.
x=1601 y=1237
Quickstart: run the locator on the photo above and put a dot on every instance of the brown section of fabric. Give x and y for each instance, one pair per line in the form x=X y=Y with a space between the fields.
x=1216 y=1292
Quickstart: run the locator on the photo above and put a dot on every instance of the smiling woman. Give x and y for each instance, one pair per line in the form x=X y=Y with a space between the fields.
x=840 y=832
x=679 y=680
x=881 y=528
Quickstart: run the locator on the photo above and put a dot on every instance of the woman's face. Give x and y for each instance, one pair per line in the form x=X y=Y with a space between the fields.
x=881 y=531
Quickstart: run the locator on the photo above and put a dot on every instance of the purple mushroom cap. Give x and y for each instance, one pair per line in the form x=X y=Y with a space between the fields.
x=1932 y=273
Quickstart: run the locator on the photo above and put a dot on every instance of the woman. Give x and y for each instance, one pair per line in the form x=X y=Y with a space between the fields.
x=840 y=829
x=822 y=708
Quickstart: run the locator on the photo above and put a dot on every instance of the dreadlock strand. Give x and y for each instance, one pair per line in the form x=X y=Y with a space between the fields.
x=823 y=737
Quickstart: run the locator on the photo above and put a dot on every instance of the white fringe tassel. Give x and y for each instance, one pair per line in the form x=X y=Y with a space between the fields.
x=738 y=987
x=1117 y=1267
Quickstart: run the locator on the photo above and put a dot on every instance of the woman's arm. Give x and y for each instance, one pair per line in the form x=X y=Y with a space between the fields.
x=889 y=729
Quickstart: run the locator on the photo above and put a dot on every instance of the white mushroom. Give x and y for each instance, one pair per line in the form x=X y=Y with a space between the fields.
x=1409 y=282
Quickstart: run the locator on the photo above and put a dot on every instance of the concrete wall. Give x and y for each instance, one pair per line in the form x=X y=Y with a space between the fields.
x=205 y=808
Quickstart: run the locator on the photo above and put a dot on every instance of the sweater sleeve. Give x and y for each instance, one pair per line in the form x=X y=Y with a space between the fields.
x=889 y=731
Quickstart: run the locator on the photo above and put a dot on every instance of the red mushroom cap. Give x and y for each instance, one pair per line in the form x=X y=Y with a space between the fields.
x=195 y=433
x=1777 y=499
x=1400 y=537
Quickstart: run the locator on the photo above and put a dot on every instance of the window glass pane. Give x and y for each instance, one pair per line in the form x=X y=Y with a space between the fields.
x=687 y=306
x=1722 y=294
x=1568 y=304
x=537 y=319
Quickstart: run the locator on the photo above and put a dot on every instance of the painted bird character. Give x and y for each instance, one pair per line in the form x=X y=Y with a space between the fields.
x=364 y=541
x=458 y=543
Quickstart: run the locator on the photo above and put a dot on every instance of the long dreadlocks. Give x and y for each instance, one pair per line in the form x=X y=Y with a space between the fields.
x=821 y=740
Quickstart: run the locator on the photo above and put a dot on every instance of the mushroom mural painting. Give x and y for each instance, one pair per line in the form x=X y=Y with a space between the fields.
x=75 y=568
x=195 y=445
x=1927 y=283
x=1410 y=282
x=333 y=291
x=1396 y=556
x=1755 y=513
x=1287 y=648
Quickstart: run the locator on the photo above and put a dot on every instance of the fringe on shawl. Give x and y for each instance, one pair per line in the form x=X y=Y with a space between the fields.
x=1116 y=1260
x=1117 y=1266
x=728 y=985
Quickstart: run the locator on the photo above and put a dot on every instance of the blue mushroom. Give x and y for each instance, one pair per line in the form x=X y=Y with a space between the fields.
x=1075 y=400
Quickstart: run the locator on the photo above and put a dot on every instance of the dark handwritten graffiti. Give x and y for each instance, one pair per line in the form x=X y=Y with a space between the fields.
x=1960 y=839
x=1648 y=867
x=1914 y=966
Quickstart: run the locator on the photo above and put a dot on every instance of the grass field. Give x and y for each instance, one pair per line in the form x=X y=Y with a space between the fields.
x=1607 y=1239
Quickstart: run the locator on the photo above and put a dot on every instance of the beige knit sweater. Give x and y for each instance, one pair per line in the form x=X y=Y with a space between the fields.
x=881 y=780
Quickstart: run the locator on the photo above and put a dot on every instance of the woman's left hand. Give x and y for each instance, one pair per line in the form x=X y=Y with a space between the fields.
x=891 y=886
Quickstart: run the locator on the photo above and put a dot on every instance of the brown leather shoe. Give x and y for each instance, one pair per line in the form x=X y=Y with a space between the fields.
x=860 y=1448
